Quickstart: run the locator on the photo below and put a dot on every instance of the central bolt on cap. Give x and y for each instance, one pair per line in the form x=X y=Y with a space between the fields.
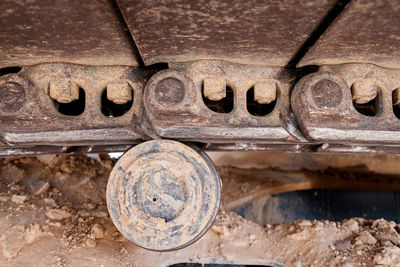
x=163 y=195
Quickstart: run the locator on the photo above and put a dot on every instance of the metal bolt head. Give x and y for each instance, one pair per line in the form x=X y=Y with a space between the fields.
x=364 y=91
x=265 y=92
x=327 y=93
x=170 y=92
x=12 y=93
x=64 y=91
x=119 y=93
x=214 y=88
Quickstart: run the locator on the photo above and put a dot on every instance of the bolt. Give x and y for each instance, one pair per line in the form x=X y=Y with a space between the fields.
x=64 y=91
x=215 y=88
x=170 y=92
x=364 y=91
x=327 y=93
x=119 y=93
x=12 y=93
x=265 y=92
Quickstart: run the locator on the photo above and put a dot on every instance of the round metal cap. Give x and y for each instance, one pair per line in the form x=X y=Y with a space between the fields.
x=163 y=195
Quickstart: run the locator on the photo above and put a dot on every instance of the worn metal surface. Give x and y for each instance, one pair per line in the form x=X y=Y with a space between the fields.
x=323 y=105
x=321 y=118
x=245 y=31
x=183 y=114
x=163 y=195
x=12 y=93
x=366 y=32
x=87 y=32
x=38 y=122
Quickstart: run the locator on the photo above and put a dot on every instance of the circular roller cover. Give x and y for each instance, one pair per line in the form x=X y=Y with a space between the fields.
x=163 y=195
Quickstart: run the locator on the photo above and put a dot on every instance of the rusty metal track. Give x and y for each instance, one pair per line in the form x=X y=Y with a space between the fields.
x=204 y=95
x=38 y=119
x=326 y=114
x=365 y=32
x=247 y=31
x=186 y=117
x=324 y=104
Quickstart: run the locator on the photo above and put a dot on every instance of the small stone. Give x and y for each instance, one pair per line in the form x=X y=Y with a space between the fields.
x=46 y=159
x=40 y=187
x=19 y=199
x=90 y=206
x=3 y=199
x=304 y=223
x=97 y=232
x=343 y=244
x=366 y=238
x=58 y=214
x=358 y=243
x=115 y=234
x=90 y=243
x=387 y=243
x=359 y=252
x=17 y=187
x=55 y=224
x=389 y=256
x=352 y=225
x=12 y=241
x=50 y=202
x=34 y=233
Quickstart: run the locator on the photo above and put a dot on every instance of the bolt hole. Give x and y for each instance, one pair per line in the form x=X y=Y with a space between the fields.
x=112 y=110
x=74 y=108
x=257 y=109
x=9 y=70
x=224 y=105
x=154 y=199
x=370 y=108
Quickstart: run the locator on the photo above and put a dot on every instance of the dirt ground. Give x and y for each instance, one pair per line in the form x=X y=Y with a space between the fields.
x=53 y=213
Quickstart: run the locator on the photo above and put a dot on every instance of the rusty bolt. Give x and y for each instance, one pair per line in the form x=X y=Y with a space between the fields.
x=64 y=91
x=170 y=92
x=327 y=93
x=364 y=91
x=12 y=93
x=215 y=88
x=119 y=93
x=265 y=92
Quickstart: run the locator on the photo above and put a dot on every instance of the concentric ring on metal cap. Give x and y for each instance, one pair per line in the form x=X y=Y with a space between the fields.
x=163 y=195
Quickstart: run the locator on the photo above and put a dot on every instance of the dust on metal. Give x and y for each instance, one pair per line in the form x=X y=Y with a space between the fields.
x=265 y=92
x=327 y=93
x=191 y=119
x=365 y=32
x=214 y=88
x=170 y=92
x=246 y=31
x=80 y=32
x=342 y=123
x=364 y=91
x=63 y=91
x=163 y=195
x=38 y=122
x=119 y=93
